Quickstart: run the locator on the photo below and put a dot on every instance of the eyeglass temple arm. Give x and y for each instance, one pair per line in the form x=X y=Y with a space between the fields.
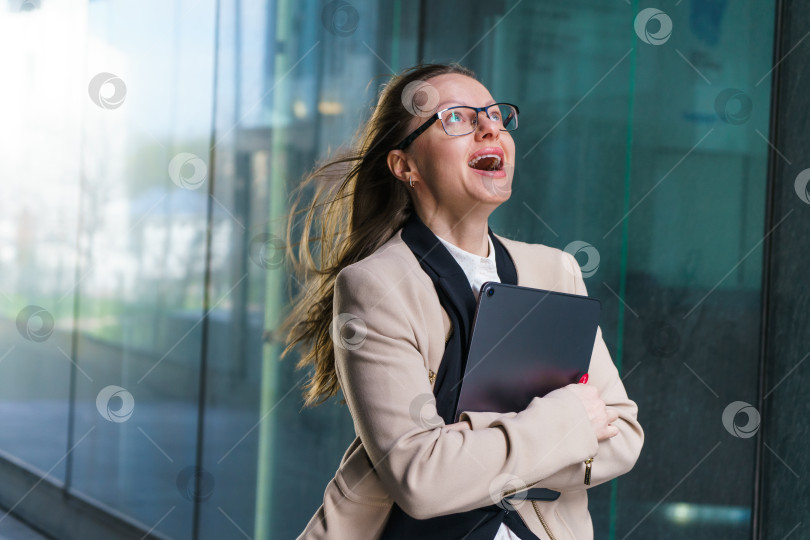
x=418 y=131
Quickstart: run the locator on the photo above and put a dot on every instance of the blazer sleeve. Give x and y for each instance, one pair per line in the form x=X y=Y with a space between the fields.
x=614 y=456
x=428 y=469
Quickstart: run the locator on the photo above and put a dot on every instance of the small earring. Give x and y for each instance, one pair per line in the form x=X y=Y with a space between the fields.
x=410 y=179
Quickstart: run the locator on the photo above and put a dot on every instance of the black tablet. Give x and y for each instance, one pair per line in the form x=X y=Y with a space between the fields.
x=525 y=342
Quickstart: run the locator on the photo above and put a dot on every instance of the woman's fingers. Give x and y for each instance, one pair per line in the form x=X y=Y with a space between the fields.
x=608 y=430
x=600 y=415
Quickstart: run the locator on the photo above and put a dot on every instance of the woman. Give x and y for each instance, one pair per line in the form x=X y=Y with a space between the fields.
x=404 y=248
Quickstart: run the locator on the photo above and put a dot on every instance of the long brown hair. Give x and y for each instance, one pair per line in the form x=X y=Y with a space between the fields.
x=360 y=204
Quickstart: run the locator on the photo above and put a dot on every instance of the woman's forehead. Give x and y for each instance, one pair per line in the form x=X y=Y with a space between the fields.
x=457 y=89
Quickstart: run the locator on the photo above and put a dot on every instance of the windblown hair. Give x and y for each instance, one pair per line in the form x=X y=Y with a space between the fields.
x=358 y=204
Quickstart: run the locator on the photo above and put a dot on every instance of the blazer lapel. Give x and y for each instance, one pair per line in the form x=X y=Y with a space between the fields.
x=435 y=258
x=507 y=270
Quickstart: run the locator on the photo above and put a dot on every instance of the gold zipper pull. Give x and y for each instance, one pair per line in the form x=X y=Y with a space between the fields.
x=588 y=463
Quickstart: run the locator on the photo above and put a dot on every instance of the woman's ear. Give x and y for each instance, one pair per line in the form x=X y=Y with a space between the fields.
x=400 y=165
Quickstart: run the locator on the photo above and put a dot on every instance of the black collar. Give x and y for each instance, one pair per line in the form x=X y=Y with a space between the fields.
x=432 y=253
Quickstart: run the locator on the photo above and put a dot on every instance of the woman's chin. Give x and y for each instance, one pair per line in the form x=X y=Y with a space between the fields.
x=496 y=183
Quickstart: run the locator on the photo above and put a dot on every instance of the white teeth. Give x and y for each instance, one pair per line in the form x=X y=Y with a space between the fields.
x=482 y=156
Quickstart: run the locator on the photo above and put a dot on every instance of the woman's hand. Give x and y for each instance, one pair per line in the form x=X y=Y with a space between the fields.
x=599 y=414
x=458 y=426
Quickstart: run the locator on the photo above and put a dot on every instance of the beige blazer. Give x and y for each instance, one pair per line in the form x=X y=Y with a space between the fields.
x=390 y=331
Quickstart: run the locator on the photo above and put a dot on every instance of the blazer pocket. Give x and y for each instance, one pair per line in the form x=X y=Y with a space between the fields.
x=358 y=481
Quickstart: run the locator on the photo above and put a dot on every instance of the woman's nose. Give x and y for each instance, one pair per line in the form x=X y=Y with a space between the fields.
x=486 y=126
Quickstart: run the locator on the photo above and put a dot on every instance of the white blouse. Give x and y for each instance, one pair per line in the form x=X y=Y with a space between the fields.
x=479 y=270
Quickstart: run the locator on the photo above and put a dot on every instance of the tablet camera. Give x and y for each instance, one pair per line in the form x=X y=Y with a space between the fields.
x=490 y=291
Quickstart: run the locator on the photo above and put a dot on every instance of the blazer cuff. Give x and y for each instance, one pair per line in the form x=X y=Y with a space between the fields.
x=555 y=430
x=481 y=420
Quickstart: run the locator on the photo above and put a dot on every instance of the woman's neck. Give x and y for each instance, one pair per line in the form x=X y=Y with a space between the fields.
x=468 y=234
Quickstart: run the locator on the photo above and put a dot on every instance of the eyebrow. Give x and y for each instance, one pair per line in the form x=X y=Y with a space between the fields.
x=440 y=106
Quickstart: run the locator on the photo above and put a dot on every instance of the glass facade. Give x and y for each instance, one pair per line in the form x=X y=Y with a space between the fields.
x=146 y=158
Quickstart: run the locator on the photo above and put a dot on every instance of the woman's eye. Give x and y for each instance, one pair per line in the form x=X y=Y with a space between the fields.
x=456 y=117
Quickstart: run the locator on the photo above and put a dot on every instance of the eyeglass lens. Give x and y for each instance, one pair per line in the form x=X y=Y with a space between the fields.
x=462 y=120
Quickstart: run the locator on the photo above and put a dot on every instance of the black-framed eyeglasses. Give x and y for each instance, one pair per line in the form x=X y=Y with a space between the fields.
x=463 y=120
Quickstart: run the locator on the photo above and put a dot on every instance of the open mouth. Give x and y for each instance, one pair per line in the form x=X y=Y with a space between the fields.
x=487 y=159
x=486 y=163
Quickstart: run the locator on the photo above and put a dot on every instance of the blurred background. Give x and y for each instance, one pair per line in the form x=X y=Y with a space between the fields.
x=147 y=153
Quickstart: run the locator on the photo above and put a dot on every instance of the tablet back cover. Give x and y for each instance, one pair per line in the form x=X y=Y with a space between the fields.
x=525 y=342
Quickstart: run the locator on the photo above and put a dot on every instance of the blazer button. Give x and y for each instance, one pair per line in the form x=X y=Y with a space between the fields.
x=431 y=376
